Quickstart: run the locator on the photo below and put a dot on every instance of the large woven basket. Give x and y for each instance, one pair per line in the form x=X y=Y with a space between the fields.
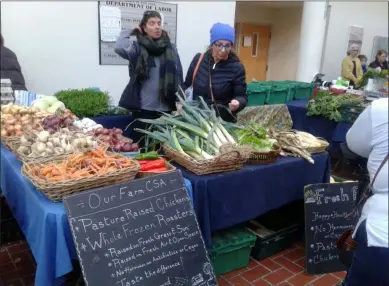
x=228 y=161
x=57 y=191
x=322 y=148
x=11 y=143
x=264 y=158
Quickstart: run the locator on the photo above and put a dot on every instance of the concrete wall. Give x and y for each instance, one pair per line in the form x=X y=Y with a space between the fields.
x=57 y=42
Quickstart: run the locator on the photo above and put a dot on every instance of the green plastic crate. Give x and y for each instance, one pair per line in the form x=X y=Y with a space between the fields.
x=287 y=224
x=278 y=94
x=257 y=94
x=231 y=249
x=304 y=90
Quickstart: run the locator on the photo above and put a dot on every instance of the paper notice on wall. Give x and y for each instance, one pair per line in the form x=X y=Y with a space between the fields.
x=110 y=23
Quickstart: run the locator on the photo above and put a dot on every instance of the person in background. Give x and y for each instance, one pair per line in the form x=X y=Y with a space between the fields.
x=10 y=67
x=351 y=66
x=380 y=60
x=221 y=77
x=368 y=138
x=363 y=60
x=155 y=71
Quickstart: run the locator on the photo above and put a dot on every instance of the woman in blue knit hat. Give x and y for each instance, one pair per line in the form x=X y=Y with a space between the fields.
x=218 y=75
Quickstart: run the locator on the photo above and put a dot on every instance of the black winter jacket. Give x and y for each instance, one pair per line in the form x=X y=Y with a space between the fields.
x=228 y=82
x=10 y=69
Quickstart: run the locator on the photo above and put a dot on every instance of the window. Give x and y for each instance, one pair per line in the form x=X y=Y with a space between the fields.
x=254 y=45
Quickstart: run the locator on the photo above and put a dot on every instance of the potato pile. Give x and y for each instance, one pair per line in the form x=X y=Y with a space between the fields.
x=14 y=118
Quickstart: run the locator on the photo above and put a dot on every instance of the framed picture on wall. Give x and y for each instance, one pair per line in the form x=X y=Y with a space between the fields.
x=355 y=36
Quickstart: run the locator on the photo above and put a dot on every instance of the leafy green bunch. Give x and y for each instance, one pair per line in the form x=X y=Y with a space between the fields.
x=371 y=73
x=85 y=102
x=329 y=105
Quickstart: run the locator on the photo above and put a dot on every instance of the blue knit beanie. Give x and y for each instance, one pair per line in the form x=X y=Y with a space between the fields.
x=223 y=32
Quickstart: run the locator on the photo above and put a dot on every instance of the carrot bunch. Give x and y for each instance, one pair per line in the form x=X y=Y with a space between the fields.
x=83 y=165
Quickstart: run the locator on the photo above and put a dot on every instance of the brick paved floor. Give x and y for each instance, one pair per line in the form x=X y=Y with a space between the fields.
x=17 y=268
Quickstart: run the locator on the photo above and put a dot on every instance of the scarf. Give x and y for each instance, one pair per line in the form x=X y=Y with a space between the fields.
x=162 y=48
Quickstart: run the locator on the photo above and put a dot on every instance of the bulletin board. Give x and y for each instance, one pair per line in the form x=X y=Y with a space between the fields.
x=115 y=16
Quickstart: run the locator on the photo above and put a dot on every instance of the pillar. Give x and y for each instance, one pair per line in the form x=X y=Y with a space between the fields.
x=313 y=25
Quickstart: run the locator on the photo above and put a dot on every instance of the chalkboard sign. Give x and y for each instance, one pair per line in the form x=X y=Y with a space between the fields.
x=116 y=15
x=326 y=206
x=143 y=232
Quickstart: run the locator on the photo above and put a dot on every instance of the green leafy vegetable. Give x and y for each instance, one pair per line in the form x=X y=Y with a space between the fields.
x=85 y=102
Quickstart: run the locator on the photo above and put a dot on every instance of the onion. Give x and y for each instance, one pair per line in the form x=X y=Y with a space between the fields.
x=105 y=138
x=18 y=132
x=117 y=148
x=4 y=133
x=10 y=128
x=117 y=131
x=105 y=131
x=134 y=146
x=10 y=121
x=126 y=147
x=99 y=131
x=18 y=127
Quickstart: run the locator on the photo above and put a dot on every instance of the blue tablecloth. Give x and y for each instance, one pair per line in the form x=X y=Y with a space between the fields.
x=118 y=121
x=223 y=200
x=318 y=126
x=43 y=223
x=333 y=132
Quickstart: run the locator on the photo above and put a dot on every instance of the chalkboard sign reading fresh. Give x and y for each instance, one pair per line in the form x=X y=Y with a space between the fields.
x=142 y=233
x=326 y=206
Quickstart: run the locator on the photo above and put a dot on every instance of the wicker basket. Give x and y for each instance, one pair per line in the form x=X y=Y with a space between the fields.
x=264 y=158
x=11 y=143
x=324 y=145
x=57 y=191
x=170 y=168
x=228 y=161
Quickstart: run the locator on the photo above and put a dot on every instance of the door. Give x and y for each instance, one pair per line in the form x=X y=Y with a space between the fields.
x=253 y=50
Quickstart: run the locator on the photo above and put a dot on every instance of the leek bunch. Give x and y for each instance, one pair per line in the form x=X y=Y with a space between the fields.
x=196 y=131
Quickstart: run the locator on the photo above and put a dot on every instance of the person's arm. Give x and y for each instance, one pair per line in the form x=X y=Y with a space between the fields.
x=359 y=72
x=347 y=71
x=240 y=88
x=373 y=65
x=189 y=75
x=180 y=75
x=360 y=135
x=125 y=47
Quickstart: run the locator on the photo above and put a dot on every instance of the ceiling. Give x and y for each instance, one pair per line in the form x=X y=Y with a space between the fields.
x=272 y=4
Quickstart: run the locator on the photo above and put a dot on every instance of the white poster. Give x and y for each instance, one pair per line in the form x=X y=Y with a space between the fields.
x=355 y=37
x=110 y=23
x=131 y=13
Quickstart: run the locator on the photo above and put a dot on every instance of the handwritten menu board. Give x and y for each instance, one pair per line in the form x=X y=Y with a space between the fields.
x=326 y=206
x=143 y=232
x=118 y=15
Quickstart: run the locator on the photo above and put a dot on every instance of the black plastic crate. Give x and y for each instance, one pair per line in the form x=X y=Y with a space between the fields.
x=285 y=226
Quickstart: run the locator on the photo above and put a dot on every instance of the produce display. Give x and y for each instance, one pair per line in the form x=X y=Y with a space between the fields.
x=62 y=142
x=257 y=138
x=16 y=118
x=49 y=104
x=114 y=139
x=53 y=123
x=295 y=143
x=86 y=125
x=83 y=165
x=329 y=105
x=197 y=132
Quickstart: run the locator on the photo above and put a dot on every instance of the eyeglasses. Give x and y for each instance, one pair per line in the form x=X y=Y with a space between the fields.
x=221 y=46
